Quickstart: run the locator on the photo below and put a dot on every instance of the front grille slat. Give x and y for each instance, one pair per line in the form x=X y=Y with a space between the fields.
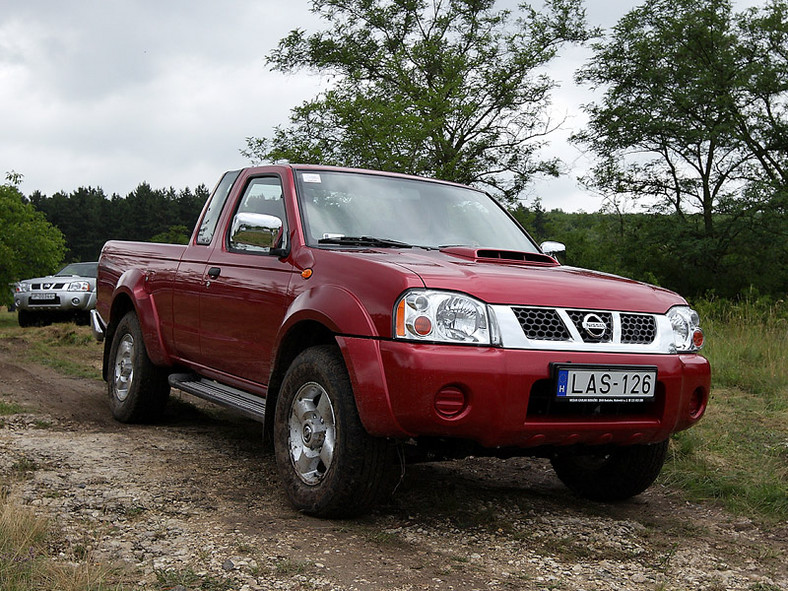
x=638 y=329
x=542 y=324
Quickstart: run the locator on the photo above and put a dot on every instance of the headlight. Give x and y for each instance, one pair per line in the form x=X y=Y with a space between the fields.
x=687 y=335
x=78 y=286
x=444 y=316
x=22 y=287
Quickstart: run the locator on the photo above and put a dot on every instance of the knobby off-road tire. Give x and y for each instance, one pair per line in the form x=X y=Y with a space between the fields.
x=615 y=475
x=138 y=390
x=329 y=465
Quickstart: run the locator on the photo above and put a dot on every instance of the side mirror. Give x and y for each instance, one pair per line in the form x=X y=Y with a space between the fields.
x=552 y=248
x=257 y=233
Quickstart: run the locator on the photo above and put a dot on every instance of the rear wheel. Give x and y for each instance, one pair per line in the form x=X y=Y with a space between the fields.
x=329 y=465
x=611 y=475
x=138 y=390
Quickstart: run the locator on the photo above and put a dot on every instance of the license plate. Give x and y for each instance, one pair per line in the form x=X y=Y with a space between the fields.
x=43 y=297
x=596 y=383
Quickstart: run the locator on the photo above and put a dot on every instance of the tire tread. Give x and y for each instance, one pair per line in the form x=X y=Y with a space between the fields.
x=149 y=391
x=357 y=478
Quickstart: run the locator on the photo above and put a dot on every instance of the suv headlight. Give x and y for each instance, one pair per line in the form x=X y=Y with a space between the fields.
x=78 y=286
x=687 y=334
x=444 y=316
x=22 y=287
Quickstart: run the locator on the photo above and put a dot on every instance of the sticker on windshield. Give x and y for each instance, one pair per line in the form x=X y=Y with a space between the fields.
x=311 y=177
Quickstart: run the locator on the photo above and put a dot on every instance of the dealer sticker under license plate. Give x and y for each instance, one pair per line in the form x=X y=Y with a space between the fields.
x=605 y=384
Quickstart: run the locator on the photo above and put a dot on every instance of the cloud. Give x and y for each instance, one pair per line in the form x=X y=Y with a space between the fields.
x=111 y=93
x=114 y=93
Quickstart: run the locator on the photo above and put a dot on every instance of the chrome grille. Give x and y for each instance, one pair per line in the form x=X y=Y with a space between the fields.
x=638 y=329
x=542 y=324
x=572 y=329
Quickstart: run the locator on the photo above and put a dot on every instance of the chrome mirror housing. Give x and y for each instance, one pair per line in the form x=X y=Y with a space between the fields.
x=551 y=248
x=257 y=233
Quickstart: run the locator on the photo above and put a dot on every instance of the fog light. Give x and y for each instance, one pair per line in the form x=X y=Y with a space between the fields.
x=450 y=402
x=75 y=301
x=697 y=404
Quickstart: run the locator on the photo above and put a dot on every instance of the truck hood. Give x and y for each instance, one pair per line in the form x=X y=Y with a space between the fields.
x=533 y=280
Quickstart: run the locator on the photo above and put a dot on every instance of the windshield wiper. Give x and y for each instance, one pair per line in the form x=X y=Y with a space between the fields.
x=364 y=241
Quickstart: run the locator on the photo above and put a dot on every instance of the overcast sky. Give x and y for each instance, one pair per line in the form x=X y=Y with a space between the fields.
x=110 y=93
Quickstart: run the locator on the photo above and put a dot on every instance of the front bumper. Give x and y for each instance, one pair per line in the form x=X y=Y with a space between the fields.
x=57 y=301
x=503 y=397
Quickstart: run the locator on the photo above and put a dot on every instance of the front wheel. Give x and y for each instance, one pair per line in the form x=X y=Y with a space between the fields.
x=329 y=465
x=25 y=318
x=611 y=475
x=138 y=390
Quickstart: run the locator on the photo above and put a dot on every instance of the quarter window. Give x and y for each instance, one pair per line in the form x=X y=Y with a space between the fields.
x=215 y=207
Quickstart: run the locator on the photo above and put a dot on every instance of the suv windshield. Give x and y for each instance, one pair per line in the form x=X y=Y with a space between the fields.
x=357 y=209
x=78 y=270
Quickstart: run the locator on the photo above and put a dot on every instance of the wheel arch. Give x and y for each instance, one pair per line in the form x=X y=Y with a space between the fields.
x=121 y=305
x=299 y=337
x=130 y=296
x=316 y=317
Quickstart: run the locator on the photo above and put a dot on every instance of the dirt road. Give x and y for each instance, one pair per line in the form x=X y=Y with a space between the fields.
x=194 y=503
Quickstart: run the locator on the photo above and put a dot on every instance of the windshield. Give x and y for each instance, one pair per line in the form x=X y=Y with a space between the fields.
x=349 y=208
x=78 y=270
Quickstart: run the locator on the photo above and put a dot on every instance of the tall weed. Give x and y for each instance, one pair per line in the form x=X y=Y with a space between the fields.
x=25 y=563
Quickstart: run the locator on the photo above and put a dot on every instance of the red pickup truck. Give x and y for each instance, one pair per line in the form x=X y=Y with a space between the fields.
x=366 y=318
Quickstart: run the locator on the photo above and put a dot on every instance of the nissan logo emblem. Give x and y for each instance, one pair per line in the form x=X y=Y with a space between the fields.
x=594 y=326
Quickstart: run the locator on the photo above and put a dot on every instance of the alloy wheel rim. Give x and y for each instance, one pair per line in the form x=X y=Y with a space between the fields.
x=312 y=433
x=124 y=367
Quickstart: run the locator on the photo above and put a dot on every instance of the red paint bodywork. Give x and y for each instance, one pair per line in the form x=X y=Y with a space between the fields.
x=232 y=328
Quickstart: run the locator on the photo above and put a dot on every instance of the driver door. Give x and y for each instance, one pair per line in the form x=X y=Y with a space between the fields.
x=245 y=294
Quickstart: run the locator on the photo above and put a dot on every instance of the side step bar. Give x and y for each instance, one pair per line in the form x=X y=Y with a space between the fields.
x=243 y=402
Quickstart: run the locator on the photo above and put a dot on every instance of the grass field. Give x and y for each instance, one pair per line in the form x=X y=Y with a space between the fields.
x=737 y=455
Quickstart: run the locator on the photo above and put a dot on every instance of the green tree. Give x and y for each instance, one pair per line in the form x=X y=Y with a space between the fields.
x=88 y=218
x=692 y=123
x=29 y=245
x=173 y=235
x=81 y=216
x=453 y=88
x=664 y=128
x=760 y=105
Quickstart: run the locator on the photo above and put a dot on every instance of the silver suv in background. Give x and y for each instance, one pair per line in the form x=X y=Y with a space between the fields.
x=68 y=294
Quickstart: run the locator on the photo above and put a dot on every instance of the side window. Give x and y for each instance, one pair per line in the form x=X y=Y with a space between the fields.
x=215 y=207
x=259 y=225
x=263 y=195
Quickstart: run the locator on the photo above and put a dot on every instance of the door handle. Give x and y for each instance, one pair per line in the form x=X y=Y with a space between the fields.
x=214 y=272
